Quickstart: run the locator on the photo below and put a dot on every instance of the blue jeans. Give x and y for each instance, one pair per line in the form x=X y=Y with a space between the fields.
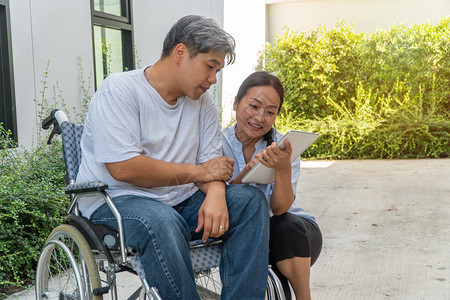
x=161 y=235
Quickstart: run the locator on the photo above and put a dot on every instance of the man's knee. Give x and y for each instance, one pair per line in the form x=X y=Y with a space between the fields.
x=247 y=194
x=166 y=223
x=143 y=231
x=245 y=200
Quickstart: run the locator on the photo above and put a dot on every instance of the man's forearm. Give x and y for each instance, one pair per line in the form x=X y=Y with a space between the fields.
x=148 y=172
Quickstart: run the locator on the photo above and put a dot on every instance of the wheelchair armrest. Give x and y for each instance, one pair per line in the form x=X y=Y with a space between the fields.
x=86 y=187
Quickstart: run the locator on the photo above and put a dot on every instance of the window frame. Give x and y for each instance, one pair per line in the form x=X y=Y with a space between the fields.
x=124 y=24
x=7 y=97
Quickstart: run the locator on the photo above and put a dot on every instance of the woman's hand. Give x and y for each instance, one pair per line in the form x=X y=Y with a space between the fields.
x=276 y=158
x=272 y=157
x=254 y=161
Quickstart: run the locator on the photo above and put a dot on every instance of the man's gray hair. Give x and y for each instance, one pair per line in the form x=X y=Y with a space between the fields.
x=200 y=35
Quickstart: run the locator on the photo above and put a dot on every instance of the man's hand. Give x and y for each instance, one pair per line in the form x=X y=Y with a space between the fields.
x=219 y=168
x=213 y=214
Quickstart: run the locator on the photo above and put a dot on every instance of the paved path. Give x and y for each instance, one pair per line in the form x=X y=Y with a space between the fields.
x=386 y=228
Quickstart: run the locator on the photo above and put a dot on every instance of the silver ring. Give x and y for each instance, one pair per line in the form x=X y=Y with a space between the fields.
x=221 y=227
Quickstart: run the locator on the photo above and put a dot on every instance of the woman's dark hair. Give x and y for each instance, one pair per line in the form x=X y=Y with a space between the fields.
x=262 y=78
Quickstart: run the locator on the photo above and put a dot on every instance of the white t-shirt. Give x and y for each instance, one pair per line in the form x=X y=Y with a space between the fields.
x=128 y=118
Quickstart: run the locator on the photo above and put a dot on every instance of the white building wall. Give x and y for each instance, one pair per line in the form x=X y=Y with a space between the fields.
x=41 y=31
x=23 y=69
x=246 y=22
x=365 y=15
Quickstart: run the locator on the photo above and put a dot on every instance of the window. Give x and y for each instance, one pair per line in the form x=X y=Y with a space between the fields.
x=7 y=103
x=113 y=37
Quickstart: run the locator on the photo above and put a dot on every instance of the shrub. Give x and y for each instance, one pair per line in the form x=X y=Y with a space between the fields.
x=32 y=203
x=370 y=95
x=373 y=129
x=32 y=198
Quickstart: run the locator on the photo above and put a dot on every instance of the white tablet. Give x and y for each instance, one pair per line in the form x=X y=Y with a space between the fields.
x=300 y=140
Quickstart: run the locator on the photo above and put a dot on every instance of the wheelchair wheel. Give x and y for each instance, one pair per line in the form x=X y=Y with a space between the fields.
x=274 y=289
x=66 y=268
x=208 y=284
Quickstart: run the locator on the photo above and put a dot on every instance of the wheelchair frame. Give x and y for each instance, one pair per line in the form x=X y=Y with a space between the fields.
x=75 y=253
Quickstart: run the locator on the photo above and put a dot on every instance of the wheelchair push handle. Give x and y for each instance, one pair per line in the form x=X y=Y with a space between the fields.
x=56 y=118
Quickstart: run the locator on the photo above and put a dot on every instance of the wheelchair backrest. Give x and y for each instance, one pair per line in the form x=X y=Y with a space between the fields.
x=71 y=136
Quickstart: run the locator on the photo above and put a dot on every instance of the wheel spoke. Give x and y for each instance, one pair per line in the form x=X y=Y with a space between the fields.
x=67 y=261
x=208 y=284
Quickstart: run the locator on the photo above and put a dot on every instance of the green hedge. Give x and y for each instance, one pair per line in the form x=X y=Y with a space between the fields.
x=32 y=203
x=370 y=95
x=32 y=198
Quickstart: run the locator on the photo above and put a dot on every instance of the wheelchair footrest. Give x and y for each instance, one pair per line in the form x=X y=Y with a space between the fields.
x=101 y=291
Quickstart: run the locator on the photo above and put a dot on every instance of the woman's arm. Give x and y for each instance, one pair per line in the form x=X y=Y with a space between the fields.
x=282 y=194
x=273 y=157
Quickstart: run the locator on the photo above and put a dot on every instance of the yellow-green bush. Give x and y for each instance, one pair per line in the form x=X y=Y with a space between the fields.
x=370 y=95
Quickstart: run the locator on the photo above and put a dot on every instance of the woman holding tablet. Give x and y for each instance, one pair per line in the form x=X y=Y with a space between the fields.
x=295 y=237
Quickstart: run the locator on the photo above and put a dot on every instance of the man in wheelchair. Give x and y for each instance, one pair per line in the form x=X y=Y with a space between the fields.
x=153 y=136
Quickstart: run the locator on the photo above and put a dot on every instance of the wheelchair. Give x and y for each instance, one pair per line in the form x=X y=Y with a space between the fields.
x=81 y=260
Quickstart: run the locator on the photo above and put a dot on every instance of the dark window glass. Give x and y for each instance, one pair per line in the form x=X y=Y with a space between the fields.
x=7 y=103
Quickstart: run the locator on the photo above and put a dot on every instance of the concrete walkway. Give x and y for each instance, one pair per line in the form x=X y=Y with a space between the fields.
x=386 y=228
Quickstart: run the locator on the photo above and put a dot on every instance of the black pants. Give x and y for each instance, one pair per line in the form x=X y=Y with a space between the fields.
x=292 y=236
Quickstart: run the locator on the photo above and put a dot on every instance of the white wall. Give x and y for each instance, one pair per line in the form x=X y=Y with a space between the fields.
x=43 y=30
x=246 y=22
x=366 y=15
